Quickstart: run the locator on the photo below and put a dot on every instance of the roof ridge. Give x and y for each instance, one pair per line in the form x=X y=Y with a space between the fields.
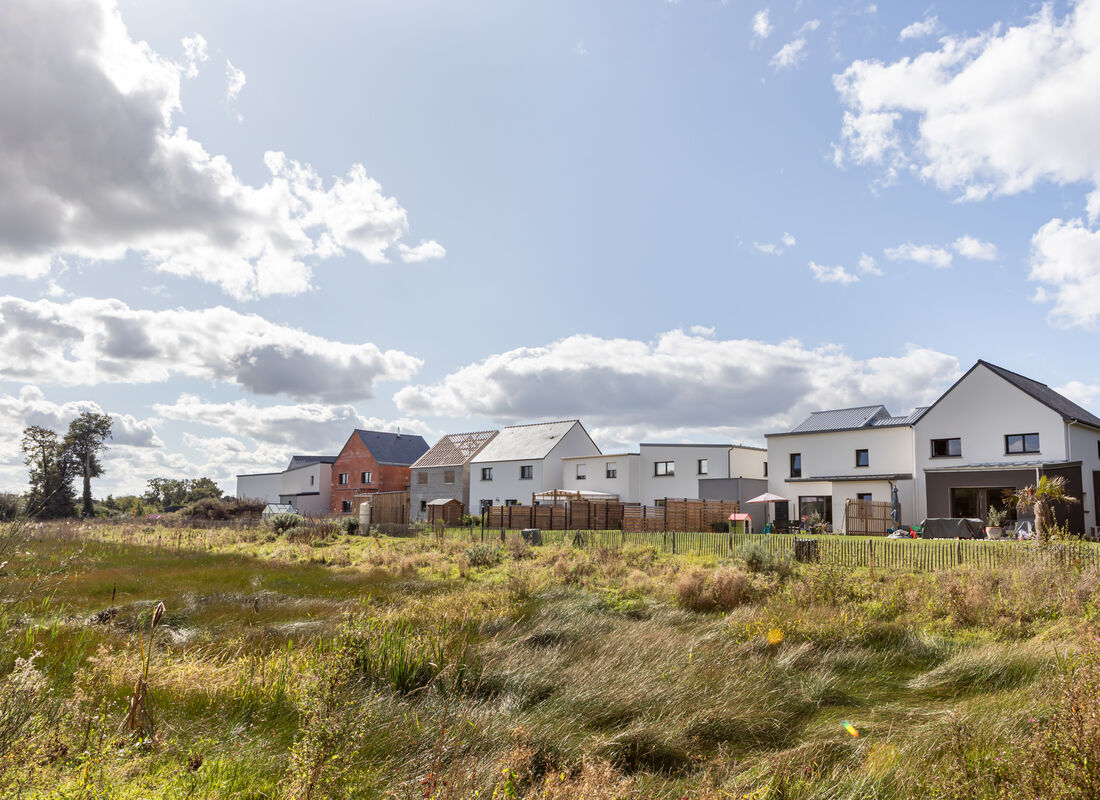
x=849 y=408
x=999 y=368
x=536 y=424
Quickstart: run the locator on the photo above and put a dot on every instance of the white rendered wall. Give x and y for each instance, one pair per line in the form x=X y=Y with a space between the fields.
x=297 y=481
x=264 y=487
x=746 y=462
x=1083 y=447
x=685 y=483
x=625 y=484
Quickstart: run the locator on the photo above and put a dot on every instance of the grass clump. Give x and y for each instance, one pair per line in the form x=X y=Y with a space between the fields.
x=482 y=555
x=759 y=559
x=282 y=523
x=721 y=589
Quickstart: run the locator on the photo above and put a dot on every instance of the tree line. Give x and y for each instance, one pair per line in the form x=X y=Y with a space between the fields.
x=55 y=462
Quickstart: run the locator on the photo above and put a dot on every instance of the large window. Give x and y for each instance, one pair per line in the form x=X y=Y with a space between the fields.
x=974 y=503
x=1021 y=443
x=943 y=448
x=808 y=505
x=663 y=469
x=704 y=465
x=448 y=476
x=343 y=478
x=863 y=458
x=582 y=472
x=612 y=469
x=486 y=473
x=526 y=472
x=796 y=465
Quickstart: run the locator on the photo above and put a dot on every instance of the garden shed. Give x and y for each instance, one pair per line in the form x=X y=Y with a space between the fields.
x=447 y=510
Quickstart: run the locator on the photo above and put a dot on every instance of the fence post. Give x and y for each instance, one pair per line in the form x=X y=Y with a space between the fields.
x=959 y=552
x=673 y=542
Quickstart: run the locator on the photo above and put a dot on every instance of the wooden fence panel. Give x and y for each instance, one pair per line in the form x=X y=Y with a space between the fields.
x=867 y=517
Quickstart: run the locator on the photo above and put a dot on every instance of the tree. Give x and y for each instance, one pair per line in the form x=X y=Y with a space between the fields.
x=51 y=473
x=1042 y=497
x=85 y=440
x=165 y=493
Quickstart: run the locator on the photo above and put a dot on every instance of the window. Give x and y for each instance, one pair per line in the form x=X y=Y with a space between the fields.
x=1022 y=443
x=796 y=465
x=664 y=468
x=943 y=448
x=343 y=478
x=423 y=505
x=765 y=469
x=364 y=477
x=311 y=479
x=864 y=497
x=422 y=478
x=822 y=506
x=703 y=465
x=486 y=473
x=612 y=469
x=526 y=472
x=511 y=502
x=862 y=458
x=582 y=472
x=346 y=506
x=448 y=476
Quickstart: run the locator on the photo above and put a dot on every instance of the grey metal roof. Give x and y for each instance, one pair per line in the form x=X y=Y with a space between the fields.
x=1047 y=396
x=890 y=422
x=400 y=449
x=519 y=442
x=899 y=476
x=841 y=419
x=455 y=449
x=302 y=461
x=1002 y=465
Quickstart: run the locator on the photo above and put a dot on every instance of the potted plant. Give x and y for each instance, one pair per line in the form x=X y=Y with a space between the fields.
x=994 y=520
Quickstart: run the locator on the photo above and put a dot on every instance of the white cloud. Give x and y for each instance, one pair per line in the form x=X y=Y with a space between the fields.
x=761 y=25
x=1085 y=395
x=234 y=81
x=142 y=184
x=995 y=113
x=973 y=248
x=790 y=55
x=1065 y=256
x=787 y=239
x=634 y=389
x=773 y=248
x=809 y=26
x=832 y=274
x=89 y=341
x=702 y=330
x=424 y=251
x=917 y=30
x=194 y=53
x=922 y=254
x=579 y=48
x=868 y=266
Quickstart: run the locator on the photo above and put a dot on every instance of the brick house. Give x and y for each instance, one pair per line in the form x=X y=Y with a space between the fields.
x=371 y=462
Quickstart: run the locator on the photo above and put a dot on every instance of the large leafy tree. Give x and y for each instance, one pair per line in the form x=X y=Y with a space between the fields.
x=85 y=440
x=1043 y=497
x=171 y=492
x=52 y=469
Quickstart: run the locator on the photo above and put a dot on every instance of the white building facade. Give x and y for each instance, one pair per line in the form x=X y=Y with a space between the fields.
x=523 y=460
x=305 y=484
x=614 y=473
x=674 y=470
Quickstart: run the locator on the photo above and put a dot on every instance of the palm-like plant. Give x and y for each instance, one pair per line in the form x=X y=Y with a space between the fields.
x=1042 y=497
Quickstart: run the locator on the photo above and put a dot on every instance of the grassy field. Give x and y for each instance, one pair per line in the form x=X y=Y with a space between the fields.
x=317 y=665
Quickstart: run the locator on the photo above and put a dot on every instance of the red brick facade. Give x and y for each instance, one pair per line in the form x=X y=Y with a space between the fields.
x=353 y=461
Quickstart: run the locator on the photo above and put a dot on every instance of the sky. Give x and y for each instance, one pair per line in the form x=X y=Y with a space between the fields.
x=244 y=234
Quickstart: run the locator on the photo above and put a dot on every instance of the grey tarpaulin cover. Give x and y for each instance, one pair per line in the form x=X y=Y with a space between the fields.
x=949 y=528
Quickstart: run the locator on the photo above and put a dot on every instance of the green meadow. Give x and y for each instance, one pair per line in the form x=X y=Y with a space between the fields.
x=314 y=664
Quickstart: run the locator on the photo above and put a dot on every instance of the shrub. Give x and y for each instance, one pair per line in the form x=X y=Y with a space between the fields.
x=519 y=550
x=281 y=523
x=482 y=555
x=721 y=590
x=759 y=559
x=206 y=508
x=350 y=525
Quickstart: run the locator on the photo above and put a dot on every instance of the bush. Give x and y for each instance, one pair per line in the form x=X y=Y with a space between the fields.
x=9 y=506
x=469 y=521
x=759 y=559
x=482 y=555
x=206 y=508
x=350 y=525
x=281 y=523
x=721 y=590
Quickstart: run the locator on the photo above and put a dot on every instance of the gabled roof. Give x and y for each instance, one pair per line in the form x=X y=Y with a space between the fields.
x=455 y=449
x=399 y=449
x=533 y=442
x=302 y=461
x=852 y=419
x=1069 y=410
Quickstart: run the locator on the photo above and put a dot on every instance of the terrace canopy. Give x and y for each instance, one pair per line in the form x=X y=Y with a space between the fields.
x=768 y=498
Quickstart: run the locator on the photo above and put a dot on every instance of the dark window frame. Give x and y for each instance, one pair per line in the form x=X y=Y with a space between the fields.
x=611 y=470
x=345 y=507
x=866 y=457
x=864 y=497
x=343 y=479
x=947 y=447
x=1023 y=437
x=365 y=477
x=486 y=473
x=702 y=466
x=580 y=472
x=796 y=465
x=669 y=469
x=526 y=472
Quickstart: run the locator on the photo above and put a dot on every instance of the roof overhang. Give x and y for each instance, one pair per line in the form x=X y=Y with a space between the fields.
x=1004 y=466
x=900 y=476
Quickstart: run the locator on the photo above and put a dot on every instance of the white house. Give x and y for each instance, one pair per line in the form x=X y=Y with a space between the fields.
x=842 y=454
x=993 y=430
x=610 y=473
x=305 y=484
x=523 y=460
x=674 y=470
x=996 y=430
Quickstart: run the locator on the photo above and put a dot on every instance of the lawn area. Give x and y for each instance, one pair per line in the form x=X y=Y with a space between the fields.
x=315 y=664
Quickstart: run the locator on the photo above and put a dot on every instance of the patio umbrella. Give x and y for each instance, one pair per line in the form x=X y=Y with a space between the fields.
x=768 y=498
x=895 y=511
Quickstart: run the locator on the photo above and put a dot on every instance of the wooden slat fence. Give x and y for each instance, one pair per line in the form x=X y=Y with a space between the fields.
x=894 y=554
x=679 y=514
x=577 y=514
x=867 y=517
